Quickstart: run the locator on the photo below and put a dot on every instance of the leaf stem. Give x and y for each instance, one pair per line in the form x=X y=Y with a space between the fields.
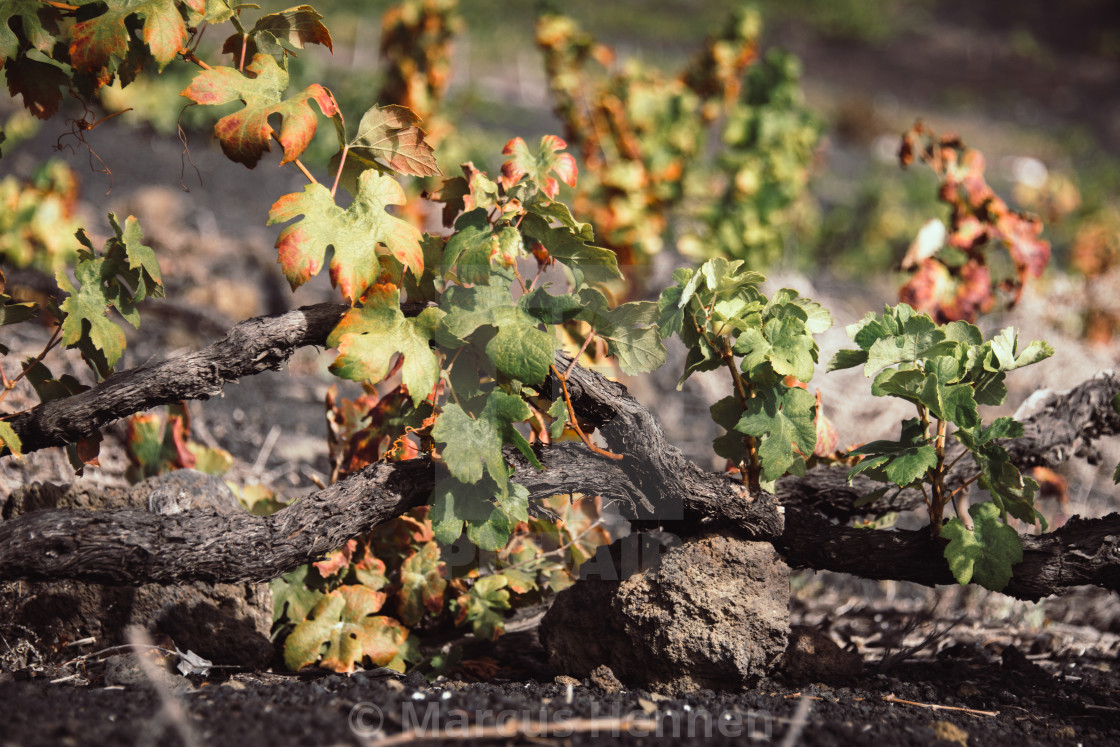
x=341 y=163
x=575 y=423
x=190 y=56
x=744 y=392
x=582 y=348
x=244 y=49
x=938 y=499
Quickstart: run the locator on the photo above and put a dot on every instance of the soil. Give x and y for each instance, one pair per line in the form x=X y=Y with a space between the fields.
x=965 y=690
x=940 y=666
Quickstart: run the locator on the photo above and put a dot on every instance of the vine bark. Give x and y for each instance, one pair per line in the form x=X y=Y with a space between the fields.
x=654 y=483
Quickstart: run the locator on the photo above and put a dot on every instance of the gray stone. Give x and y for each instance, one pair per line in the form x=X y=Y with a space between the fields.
x=712 y=615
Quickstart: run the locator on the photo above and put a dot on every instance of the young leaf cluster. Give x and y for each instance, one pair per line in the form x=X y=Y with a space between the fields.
x=947 y=372
x=767 y=345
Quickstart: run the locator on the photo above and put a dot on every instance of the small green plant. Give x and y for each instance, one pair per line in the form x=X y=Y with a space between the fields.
x=726 y=321
x=947 y=372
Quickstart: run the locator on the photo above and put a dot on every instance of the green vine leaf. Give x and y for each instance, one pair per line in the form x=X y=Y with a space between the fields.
x=468 y=252
x=368 y=338
x=294 y=595
x=9 y=439
x=143 y=268
x=520 y=349
x=985 y=554
x=782 y=423
x=588 y=264
x=456 y=505
x=474 y=444
x=901 y=462
x=343 y=630
x=484 y=606
x=422 y=584
x=38 y=22
x=244 y=135
x=629 y=329
x=357 y=234
x=14 y=313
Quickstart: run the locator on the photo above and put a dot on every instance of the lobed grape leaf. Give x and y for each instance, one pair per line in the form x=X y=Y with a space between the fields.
x=87 y=325
x=369 y=336
x=520 y=349
x=422 y=584
x=629 y=329
x=793 y=352
x=484 y=606
x=294 y=594
x=538 y=166
x=143 y=268
x=591 y=264
x=901 y=462
x=40 y=82
x=468 y=252
x=456 y=504
x=343 y=629
x=474 y=444
x=984 y=554
x=244 y=135
x=96 y=41
x=392 y=135
x=357 y=234
x=280 y=33
x=37 y=22
x=781 y=421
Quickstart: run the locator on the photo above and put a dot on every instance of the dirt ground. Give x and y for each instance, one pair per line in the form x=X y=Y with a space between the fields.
x=972 y=686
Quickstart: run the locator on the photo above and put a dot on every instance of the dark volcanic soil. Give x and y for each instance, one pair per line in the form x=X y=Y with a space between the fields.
x=966 y=695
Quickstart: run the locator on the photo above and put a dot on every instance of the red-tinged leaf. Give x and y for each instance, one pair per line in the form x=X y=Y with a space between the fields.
x=85 y=451
x=827 y=437
x=1028 y=250
x=40 y=84
x=94 y=42
x=357 y=234
x=422 y=584
x=968 y=233
x=293 y=28
x=391 y=134
x=337 y=560
x=176 y=440
x=973 y=294
x=244 y=135
x=1051 y=486
x=537 y=166
x=343 y=629
x=418 y=523
x=144 y=439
